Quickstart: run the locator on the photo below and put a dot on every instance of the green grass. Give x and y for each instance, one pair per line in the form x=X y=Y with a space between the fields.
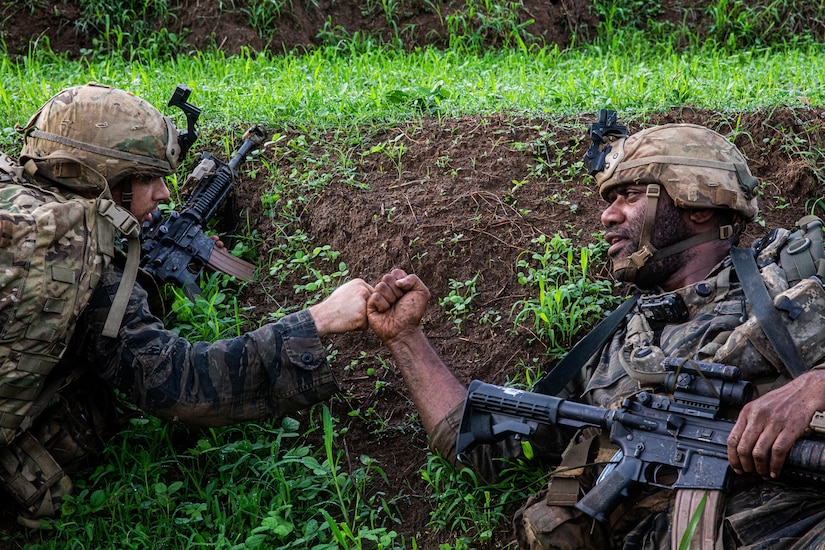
x=253 y=486
x=566 y=297
x=326 y=88
x=282 y=484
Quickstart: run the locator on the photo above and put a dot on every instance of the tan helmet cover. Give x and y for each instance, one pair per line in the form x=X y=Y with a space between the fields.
x=107 y=131
x=699 y=168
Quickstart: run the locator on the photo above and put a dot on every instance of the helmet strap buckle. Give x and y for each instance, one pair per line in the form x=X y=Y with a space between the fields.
x=641 y=256
x=725 y=232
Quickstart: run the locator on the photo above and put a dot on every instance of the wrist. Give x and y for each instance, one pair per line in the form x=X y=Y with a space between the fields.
x=319 y=318
x=406 y=339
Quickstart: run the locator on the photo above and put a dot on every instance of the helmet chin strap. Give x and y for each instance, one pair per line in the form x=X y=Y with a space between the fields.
x=126 y=195
x=626 y=269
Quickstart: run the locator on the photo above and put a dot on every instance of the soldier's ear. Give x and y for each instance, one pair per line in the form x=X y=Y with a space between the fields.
x=701 y=216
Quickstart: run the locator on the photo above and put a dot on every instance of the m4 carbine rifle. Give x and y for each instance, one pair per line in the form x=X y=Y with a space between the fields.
x=175 y=248
x=670 y=442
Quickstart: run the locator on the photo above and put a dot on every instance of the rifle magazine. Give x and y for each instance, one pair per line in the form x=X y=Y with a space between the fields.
x=223 y=261
x=703 y=531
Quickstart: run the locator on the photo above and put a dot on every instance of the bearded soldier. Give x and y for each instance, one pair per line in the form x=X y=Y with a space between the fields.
x=678 y=199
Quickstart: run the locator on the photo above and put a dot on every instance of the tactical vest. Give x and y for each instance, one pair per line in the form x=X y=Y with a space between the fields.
x=791 y=269
x=54 y=244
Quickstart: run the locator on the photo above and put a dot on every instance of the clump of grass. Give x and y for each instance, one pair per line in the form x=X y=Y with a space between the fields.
x=479 y=511
x=458 y=303
x=212 y=315
x=136 y=27
x=569 y=299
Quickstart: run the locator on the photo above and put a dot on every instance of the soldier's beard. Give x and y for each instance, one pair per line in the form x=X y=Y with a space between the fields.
x=669 y=228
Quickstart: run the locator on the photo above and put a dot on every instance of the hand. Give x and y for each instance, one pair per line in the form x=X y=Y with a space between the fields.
x=218 y=241
x=344 y=310
x=397 y=305
x=768 y=427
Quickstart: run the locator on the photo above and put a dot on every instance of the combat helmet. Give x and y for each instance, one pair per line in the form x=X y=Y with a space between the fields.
x=86 y=137
x=698 y=168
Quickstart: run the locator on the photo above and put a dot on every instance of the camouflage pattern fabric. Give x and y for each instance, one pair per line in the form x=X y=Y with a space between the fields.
x=272 y=371
x=719 y=328
x=699 y=168
x=51 y=264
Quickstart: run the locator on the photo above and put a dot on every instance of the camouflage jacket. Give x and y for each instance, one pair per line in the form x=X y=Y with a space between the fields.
x=719 y=327
x=269 y=372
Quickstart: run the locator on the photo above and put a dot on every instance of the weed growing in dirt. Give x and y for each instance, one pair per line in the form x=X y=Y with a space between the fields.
x=264 y=15
x=212 y=315
x=469 y=508
x=568 y=299
x=458 y=303
x=129 y=26
x=316 y=266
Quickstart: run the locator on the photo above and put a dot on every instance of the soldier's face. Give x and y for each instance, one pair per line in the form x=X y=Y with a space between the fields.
x=624 y=219
x=147 y=194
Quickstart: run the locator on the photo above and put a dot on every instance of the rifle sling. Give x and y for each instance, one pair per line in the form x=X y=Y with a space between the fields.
x=762 y=305
x=554 y=381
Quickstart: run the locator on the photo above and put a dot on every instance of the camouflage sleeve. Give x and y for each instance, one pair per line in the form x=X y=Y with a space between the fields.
x=488 y=461
x=269 y=372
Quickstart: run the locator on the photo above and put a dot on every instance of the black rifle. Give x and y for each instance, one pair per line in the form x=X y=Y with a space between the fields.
x=666 y=442
x=175 y=248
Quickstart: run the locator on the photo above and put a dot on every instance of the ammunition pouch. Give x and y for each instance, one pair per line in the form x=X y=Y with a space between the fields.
x=803 y=255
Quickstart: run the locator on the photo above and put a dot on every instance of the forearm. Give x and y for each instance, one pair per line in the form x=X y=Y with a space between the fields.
x=268 y=372
x=433 y=387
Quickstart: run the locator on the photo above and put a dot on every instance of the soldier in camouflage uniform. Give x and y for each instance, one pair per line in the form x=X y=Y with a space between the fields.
x=679 y=197
x=94 y=139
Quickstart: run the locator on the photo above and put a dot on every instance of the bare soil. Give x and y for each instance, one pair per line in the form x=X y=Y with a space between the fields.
x=451 y=212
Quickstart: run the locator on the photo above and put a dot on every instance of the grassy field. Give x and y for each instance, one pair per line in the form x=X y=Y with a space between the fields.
x=292 y=471
x=330 y=88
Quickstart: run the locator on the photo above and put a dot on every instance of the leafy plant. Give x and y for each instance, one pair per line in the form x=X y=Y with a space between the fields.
x=242 y=487
x=136 y=28
x=458 y=303
x=464 y=504
x=263 y=15
x=482 y=23
x=352 y=509
x=620 y=14
x=299 y=256
x=211 y=316
x=569 y=299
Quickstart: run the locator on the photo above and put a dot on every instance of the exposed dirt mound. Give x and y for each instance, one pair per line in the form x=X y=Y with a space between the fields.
x=204 y=25
x=179 y=27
